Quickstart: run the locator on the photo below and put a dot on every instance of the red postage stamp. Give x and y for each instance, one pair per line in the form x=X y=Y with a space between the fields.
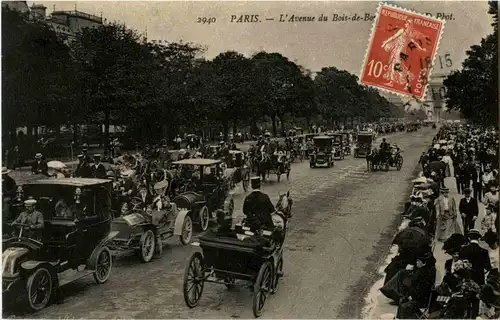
x=401 y=51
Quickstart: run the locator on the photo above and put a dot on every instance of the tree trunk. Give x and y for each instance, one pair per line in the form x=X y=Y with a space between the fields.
x=107 y=117
x=75 y=134
x=225 y=128
x=275 y=131
x=235 y=129
x=308 y=121
x=254 y=129
x=282 y=123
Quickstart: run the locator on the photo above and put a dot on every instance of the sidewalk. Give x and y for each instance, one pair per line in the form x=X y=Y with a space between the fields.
x=377 y=305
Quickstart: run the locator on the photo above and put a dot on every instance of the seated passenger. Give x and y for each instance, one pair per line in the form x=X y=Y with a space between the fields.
x=32 y=218
x=258 y=208
x=62 y=210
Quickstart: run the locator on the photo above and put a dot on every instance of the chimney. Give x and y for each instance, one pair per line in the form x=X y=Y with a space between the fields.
x=38 y=11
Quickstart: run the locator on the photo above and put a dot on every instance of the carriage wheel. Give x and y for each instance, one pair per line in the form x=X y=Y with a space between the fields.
x=261 y=288
x=39 y=289
x=187 y=230
x=246 y=181
x=103 y=265
x=194 y=280
x=204 y=218
x=148 y=245
x=277 y=275
x=399 y=163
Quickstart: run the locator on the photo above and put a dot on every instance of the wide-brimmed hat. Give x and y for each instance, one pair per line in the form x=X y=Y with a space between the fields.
x=5 y=170
x=420 y=180
x=161 y=185
x=182 y=151
x=38 y=155
x=30 y=202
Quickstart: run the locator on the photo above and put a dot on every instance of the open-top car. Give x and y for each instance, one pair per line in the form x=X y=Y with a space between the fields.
x=72 y=243
x=144 y=231
x=338 y=146
x=323 y=153
x=208 y=191
x=364 y=144
x=237 y=170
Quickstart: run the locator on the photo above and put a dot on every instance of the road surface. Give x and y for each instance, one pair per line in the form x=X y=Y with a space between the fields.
x=343 y=223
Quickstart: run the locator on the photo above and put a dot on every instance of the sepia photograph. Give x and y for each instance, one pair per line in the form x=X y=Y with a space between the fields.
x=250 y=159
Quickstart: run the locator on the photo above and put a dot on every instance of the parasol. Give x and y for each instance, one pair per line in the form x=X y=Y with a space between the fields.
x=54 y=164
x=412 y=237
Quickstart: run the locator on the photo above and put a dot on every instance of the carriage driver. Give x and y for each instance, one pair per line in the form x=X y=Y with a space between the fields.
x=385 y=149
x=31 y=217
x=258 y=207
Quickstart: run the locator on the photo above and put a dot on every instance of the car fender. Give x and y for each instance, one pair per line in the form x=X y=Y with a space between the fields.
x=33 y=264
x=91 y=261
x=179 y=221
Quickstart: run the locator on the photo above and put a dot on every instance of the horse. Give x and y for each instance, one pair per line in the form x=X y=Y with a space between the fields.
x=284 y=204
x=372 y=159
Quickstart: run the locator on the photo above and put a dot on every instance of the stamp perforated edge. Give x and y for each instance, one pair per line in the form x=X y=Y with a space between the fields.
x=370 y=41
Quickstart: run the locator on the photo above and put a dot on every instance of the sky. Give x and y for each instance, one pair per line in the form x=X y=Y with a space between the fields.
x=313 y=45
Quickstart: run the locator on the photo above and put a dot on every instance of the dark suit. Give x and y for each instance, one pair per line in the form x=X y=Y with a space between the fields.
x=83 y=171
x=99 y=171
x=480 y=261
x=258 y=205
x=145 y=201
x=477 y=184
x=40 y=167
x=471 y=210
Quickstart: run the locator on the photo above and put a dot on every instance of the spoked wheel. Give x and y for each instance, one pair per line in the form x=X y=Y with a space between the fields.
x=204 y=218
x=399 y=163
x=194 y=280
x=277 y=275
x=39 y=289
x=148 y=245
x=187 y=230
x=103 y=265
x=262 y=287
x=246 y=181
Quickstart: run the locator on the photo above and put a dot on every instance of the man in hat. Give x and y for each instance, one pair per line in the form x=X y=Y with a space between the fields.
x=469 y=210
x=258 y=207
x=491 y=197
x=40 y=165
x=477 y=182
x=424 y=159
x=83 y=169
x=480 y=260
x=86 y=156
x=98 y=169
x=30 y=217
x=146 y=198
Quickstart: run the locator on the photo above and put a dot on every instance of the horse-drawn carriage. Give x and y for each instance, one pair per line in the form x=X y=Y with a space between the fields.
x=72 y=243
x=378 y=159
x=364 y=144
x=346 y=143
x=144 y=231
x=323 y=154
x=241 y=257
x=338 y=146
x=276 y=163
x=209 y=191
x=238 y=170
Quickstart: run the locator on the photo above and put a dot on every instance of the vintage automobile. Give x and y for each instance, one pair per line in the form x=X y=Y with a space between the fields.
x=144 y=232
x=208 y=191
x=237 y=170
x=323 y=154
x=237 y=258
x=346 y=143
x=338 y=146
x=309 y=137
x=364 y=144
x=71 y=245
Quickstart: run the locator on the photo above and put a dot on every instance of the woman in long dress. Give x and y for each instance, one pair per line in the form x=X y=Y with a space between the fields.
x=447 y=216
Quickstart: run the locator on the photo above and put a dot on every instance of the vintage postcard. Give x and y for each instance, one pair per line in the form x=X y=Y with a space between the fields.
x=245 y=159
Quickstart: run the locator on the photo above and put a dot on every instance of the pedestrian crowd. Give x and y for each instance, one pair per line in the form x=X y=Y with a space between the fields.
x=470 y=287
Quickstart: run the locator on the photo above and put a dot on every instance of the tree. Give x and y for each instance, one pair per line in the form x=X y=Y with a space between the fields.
x=474 y=89
x=35 y=81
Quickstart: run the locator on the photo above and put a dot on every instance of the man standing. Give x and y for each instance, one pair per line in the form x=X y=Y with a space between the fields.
x=477 y=183
x=469 y=211
x=40 y=165
x=424 y=159
x=480 y=261
x=82 y=170
x=258 y=207
x=98 y=169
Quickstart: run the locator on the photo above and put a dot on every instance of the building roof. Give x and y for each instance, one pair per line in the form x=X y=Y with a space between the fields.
x=76 y=182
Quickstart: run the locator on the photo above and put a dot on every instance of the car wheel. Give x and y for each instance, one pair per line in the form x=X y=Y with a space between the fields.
x=204 y=218
x=193 y=280
x=103 y=265
x=39 y=288
x=187 y=231
x=148 y=244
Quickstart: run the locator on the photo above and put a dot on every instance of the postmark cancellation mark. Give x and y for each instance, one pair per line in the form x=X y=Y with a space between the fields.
x=401 y=51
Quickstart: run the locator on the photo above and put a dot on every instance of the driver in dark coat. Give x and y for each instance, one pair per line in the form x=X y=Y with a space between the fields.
x=258 y=207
